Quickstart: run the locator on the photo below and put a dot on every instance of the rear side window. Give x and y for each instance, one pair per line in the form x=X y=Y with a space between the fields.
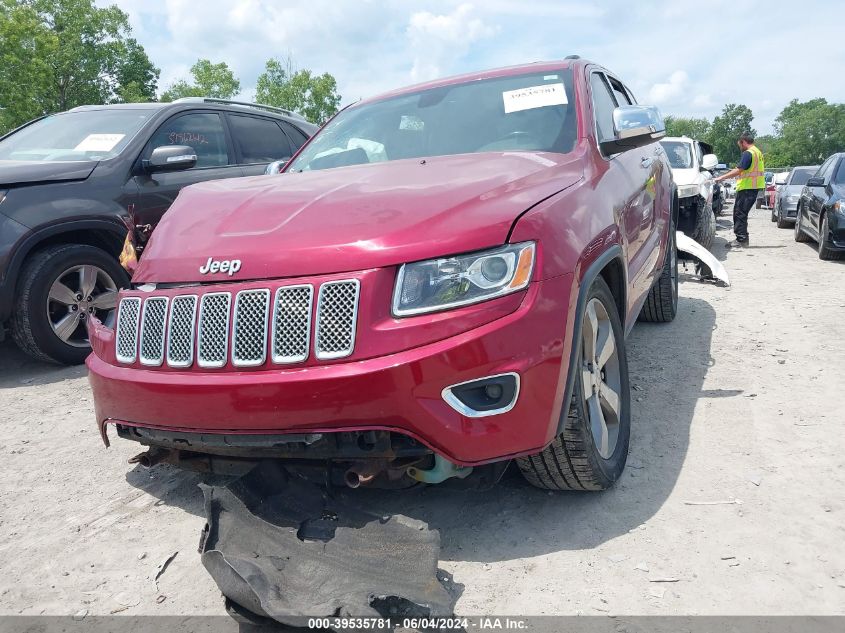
x=259 y=140
x=619 y=92
x=603 y=106
x=203 y=131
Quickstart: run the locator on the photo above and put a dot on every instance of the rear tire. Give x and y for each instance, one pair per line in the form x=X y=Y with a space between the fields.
x=37 y=316
x=799 y=234
x=575 y=460
x=826 y=250
x=661 y=304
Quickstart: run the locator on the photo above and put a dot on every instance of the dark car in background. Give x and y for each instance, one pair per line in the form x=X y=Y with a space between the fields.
x=785 y=209
x=72 y=185
x=821 y=209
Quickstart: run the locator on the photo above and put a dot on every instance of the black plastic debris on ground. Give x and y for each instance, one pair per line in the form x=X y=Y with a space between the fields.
x=279 y=547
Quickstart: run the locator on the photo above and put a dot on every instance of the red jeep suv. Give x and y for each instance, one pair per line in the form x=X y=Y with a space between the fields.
x=440 y=281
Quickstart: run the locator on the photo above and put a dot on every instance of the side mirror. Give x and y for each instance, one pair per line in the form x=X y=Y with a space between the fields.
x=275 y=167
x=815 y=181
x=709 y=162
x=634 y=126
x=170 y=158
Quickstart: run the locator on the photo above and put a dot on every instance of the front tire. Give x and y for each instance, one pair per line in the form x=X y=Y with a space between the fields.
x=826 y=249
x=783 y=223
x=56 y=285
x=591 y=451
x=705 y=227
x=799 y=234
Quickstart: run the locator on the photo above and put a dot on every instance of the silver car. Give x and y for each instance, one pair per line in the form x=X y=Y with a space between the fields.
x=785 y=209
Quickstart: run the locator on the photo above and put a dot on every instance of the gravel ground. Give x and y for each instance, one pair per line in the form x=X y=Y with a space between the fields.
x=733 y=490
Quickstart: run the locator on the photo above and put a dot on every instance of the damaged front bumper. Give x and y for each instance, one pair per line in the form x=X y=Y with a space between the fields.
x=403 y=394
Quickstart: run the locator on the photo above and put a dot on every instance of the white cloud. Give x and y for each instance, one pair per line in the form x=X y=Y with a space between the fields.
x=438 y=41
x=375 y=45
x=671 y=91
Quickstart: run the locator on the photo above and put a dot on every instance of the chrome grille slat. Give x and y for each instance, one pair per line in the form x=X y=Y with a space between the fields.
x=151 y=349
x=292 y=324
x=126 y=339
x=337 y=315
x=213 y=333
x=180 y=331
x=249 y=329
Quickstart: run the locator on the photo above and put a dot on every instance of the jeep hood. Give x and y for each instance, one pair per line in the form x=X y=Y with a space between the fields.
x=351 y=218
x=18 y=172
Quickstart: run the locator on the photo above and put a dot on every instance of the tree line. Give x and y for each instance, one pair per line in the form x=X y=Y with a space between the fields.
x=805 y=132
x=59 y=54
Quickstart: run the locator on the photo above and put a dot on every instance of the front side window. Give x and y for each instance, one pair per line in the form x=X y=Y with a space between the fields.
x=203 y=131
x=839 y=178
x=75 y=136
x=603 y=106
x=532 y=112
x=259 y=140
x=679 y=154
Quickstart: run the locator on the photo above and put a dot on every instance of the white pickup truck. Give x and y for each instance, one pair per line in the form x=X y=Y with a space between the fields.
x=692 y=162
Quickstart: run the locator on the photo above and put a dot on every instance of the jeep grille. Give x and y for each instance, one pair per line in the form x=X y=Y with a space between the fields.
x=213 y=328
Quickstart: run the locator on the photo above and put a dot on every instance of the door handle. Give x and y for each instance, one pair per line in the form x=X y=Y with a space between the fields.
x=646 y=162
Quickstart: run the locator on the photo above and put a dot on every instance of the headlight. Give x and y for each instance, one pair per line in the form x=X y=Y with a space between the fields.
x=839 y=205
x=450 y=282
x=793 y=198
x=685 y=191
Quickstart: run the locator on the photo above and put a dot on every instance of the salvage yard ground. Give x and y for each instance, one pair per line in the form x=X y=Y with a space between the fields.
x=732 y=502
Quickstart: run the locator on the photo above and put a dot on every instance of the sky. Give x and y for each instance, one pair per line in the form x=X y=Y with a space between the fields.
x=688 y=58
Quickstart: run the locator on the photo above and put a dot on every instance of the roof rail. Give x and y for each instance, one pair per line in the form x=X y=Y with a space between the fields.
x=247 y=104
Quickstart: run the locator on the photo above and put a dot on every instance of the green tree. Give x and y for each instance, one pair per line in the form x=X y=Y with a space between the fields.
x=808 y=132
x=313 y=96
x=57 y=54
x=726 y=130
x=210 y=80
x=687 y=126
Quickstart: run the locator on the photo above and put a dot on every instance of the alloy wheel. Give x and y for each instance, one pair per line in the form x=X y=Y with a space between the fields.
x=601 y=377
x=77 y=293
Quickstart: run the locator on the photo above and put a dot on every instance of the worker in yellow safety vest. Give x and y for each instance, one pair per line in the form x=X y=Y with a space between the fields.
x=751 y=178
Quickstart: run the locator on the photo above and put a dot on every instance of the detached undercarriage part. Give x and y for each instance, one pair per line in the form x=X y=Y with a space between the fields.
x=709 y=267
x=279 y=547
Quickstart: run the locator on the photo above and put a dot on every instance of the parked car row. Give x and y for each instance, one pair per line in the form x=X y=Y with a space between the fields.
x=820 y=214
x=70 y=182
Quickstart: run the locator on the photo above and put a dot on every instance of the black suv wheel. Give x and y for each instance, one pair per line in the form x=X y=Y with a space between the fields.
x=58 y=289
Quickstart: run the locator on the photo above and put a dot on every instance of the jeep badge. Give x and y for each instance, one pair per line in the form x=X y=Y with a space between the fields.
x=230 y=266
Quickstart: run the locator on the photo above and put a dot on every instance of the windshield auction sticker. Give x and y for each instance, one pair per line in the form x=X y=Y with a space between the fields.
x=98 y=143
x=534 y=97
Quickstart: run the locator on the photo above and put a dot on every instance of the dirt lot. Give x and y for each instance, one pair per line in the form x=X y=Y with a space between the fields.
x=739 y=400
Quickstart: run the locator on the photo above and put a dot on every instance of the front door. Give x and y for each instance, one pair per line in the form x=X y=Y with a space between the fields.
x=203 y=131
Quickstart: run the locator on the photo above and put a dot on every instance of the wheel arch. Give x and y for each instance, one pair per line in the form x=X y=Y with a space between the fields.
x=610 y=266
x=103 y=234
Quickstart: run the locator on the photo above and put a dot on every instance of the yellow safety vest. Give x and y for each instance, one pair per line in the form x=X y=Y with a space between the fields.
x=753 y=177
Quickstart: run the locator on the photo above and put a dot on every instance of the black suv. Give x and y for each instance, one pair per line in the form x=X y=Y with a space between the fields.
x=73 y=184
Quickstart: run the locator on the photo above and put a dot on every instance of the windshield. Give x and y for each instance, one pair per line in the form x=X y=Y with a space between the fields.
x=801 y=176
x=520 y=113
x=75 y=136
x=679 y=154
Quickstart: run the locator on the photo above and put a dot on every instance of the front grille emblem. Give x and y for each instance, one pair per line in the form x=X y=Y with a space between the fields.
x=212 y=266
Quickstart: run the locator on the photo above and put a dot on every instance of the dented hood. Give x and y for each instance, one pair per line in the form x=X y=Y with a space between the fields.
x=350 y=218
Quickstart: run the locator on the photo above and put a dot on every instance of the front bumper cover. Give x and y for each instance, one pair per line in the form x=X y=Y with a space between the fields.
x=399 y=392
